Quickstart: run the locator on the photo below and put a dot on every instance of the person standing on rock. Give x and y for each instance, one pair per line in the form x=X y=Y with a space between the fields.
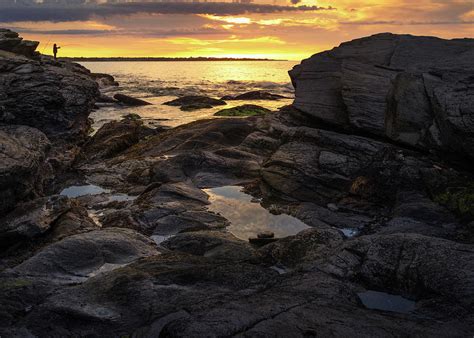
x=55 y=51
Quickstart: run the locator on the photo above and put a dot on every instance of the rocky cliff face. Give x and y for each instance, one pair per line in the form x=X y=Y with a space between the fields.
x=54 y=97
x=414 y=90
x=44 y=108
x=11 y=42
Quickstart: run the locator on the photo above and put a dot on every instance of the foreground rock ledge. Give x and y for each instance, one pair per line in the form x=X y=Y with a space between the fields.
x=414 y=90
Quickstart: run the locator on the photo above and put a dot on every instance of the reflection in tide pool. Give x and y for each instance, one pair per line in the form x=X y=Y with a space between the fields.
x=349 y=232
x=386 y=302
x=248 y=218
x=83 y=190
x=160 y=238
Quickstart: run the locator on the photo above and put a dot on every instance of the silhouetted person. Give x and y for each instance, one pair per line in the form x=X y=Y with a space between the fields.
x=55 y=51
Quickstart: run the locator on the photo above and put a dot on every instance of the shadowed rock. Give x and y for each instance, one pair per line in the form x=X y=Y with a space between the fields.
x=11 y=42
x=104 y=80
x=32 y=219
x=195 y=102
x=413 y=90
x=22 y=164
x=115 y=137
x=54 y=97
x=99 y=251
x=130 y=101
x=255 y=95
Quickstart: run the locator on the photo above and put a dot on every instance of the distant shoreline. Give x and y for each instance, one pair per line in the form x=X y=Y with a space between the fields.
x=151 y=59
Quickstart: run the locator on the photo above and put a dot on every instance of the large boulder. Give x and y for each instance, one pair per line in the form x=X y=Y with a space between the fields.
x=413 y=90
x=22 y=164
x=11 y=42
x=54 y=97
x=194 y=102
x=255 y=95
x=114 y=137
x=130 y=101
x=104 y=80
x=82 y=256
x=32 y=219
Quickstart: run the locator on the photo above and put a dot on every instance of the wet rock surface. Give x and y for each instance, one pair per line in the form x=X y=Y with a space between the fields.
x=141 y=254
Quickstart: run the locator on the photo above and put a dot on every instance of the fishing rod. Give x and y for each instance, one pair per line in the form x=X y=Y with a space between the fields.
x=44 y=48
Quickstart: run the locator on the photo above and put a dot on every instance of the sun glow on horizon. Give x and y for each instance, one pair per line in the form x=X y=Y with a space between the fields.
x=289 y=35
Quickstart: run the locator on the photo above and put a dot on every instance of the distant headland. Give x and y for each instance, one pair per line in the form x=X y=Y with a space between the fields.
x=148 y=59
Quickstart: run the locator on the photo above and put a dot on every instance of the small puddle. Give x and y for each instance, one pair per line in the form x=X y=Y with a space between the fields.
x=249 y=218
x=83 y=190
x=160 y=238
x=349 y=232
x=386 y=302
x=120 y=198
x=280 y=269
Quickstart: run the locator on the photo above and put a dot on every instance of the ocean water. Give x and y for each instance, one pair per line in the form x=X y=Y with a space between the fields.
x=158 y=82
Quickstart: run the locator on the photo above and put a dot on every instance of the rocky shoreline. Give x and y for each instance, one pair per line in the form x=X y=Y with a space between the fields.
x=112 y=235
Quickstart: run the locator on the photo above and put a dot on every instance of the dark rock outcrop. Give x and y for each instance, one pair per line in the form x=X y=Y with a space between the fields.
x=255 y=95
x=53 y=97
x=188 y=103
x=244 y=110
x=104 y=80
x=22 y=164
x=413 y=90
x=130 y=101
x=11 y=42
x=115 y=137
x=32 y=219
x=44 y=108
x=99 y=251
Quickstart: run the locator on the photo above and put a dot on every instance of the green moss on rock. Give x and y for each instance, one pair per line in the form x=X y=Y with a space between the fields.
x=14 y=283
x=458 y=199
x=196 y=106
x=244 y=110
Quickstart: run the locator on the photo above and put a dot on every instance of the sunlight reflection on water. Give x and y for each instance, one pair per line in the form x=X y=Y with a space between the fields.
x=158 y=82
x=248 y=218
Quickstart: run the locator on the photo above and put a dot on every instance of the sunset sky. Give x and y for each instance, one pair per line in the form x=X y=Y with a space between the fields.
x=273 y=29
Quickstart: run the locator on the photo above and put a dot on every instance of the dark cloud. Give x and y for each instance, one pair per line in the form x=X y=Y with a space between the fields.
x=65 y=12
x=404 y=23
x=150 y=33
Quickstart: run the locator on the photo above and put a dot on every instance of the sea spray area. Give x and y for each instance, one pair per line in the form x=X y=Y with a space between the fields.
x=358 y=197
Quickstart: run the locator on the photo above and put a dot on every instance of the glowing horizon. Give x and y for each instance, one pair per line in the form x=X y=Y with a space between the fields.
x=262 y=29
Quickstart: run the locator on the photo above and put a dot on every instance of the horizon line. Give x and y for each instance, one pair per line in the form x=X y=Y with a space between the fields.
x=166 y=58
